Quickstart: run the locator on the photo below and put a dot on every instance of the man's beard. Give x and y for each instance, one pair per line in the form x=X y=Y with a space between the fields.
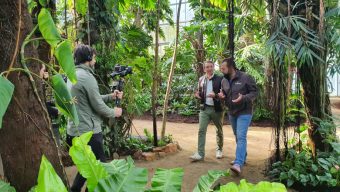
x=227 y=75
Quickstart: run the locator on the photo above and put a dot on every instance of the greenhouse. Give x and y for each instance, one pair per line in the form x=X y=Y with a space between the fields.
x=169 y=95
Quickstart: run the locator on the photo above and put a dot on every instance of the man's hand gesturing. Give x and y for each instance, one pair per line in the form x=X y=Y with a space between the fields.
x=221 y=94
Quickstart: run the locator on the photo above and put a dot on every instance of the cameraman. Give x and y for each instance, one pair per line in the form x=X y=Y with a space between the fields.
x=91 y=107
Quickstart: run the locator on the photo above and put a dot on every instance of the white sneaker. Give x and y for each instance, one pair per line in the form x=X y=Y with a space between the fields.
x=196 y=157
x=219 y=154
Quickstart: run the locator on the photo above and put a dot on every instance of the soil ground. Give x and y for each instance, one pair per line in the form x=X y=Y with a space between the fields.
x=259 y=147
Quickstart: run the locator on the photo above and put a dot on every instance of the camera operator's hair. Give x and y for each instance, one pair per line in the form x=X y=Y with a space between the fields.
x=83 y=53
x=230 y=62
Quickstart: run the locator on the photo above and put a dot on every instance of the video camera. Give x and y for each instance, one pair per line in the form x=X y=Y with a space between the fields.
x=120 y=71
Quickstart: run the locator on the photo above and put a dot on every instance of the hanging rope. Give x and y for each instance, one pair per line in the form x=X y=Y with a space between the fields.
x=65 y=18
x=298 y=117
x=231 y=31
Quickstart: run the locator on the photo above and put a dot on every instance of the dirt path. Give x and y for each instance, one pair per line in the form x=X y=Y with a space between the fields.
x=259 y=146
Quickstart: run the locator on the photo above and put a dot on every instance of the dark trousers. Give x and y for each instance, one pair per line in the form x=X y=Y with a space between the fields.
x=96 y=143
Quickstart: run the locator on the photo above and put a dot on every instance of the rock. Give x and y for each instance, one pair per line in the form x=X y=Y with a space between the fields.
x=178 y=146
x=161 y=154
x=158 y=149
x=170 y=148
x=115 y=156
x=138 y=155
x=149 y=156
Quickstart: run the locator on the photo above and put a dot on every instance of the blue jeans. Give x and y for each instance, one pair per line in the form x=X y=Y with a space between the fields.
x=240 y=126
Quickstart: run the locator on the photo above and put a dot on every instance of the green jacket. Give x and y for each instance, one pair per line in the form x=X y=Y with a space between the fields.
x=91 y=107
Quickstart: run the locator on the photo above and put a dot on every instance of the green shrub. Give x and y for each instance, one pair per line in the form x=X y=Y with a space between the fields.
x=244 y=186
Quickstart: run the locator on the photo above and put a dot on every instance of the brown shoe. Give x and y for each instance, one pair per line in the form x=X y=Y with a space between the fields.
x=236 y=169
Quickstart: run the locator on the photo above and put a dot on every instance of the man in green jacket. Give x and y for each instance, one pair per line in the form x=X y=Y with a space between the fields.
x=91 y=107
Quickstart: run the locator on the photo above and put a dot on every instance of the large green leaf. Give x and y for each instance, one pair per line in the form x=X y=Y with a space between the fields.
x=219 y=3
x=81 y=6
x=48 y=180
x=124 y=177
x=118 y=165
x=230 y=187
x=63 y=98
x=263 y=186
x=86 y=162
x=47 y=28
x=6 y=187
x=206 y=181
x=167 y=180
x=64 y=56
x=6 y=92
x=336 y=147
x=43 y=3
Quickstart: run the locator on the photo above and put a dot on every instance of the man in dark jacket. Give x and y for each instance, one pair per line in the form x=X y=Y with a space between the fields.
x=211 y=110
x=239 y=91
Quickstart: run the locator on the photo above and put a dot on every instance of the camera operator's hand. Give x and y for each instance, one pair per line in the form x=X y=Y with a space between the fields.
x=120 y=94
x=118 y=111
x=117 y=94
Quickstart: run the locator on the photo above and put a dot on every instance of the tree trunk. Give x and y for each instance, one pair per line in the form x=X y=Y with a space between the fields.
x=314 y=77
x=26 y=134
x=155 y=78
x=171 y=74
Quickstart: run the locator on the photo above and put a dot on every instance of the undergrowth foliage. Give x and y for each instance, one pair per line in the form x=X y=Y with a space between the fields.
x=121 y=175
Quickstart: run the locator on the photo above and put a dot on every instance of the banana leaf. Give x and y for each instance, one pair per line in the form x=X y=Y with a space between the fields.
x=167 y=180
x=86 y=162
x=124 y=177
x=47 y=28
x=81 y=7
x=64 y=55
x=48 y=180
x=6 y=92
x=6 y=187
x=118 y=165
x=206 y=181
x=63 y=98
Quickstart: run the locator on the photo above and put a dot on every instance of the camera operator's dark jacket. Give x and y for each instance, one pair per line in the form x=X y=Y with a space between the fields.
x=91 y=107
x=240 y=84
x=216 y=83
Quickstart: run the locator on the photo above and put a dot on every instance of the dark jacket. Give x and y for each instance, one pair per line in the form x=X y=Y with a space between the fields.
x=216 y=88
x=243 y=84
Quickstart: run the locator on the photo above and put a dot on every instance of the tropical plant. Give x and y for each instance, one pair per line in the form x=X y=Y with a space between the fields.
x=118 y=175
x=167 y=180
x=301 y=168
x=5 y=187
x=48 y=180
x=244 y=186
x=26 y=62
x=206 y=182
